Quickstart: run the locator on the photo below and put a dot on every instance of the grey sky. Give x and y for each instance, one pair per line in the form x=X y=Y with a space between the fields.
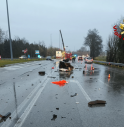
x=36 y=20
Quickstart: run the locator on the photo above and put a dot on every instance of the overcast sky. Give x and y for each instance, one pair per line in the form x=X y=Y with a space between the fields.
x=41 y=20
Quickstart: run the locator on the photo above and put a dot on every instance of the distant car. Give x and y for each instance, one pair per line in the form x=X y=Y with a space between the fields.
x=48 y=58
x=88 y=60
x=80 y=58
x=23 y=57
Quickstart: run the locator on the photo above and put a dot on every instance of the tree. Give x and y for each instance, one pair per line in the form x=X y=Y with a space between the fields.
x=94 y=41
x=115 y=49
x=51 y=51
x=112 y=48
x=1 y=36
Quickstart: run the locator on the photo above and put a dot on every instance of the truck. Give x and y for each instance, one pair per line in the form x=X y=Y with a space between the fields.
x=68 y=56
x=58 y=54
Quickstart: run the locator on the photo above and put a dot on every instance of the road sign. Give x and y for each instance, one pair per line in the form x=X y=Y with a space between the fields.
x=0 y=57
x=36 y=51
x=25 y=50
x=28 y=56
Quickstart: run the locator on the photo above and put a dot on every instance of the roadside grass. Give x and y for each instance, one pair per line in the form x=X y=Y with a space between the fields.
x=3 y=63
x=100 y=58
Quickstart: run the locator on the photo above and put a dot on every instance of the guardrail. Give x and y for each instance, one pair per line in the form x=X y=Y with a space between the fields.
x=109 y=63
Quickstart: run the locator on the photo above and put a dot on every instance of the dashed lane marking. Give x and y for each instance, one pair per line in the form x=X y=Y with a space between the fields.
x=82 y=90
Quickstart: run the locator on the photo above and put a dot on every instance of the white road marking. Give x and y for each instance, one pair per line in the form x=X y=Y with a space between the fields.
x=15 y=67
x=30 y=106
x=82 y=90
x=20 y=107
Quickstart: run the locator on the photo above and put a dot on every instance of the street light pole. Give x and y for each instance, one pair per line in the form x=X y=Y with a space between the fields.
x=9 y=31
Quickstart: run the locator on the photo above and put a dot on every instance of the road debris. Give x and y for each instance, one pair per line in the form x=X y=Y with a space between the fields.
x=60 y=82
x=72 y=76
x=63 y=69
x=3 y=118
x=57 y=108
x=63 y=66
x=42 y=73
x=74 y=95
x=96 y=102
x=63 y=117
x=52 y=67
x=54 y=117
x=66 y=60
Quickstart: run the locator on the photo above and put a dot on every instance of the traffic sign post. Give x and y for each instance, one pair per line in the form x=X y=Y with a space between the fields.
x=25 y=50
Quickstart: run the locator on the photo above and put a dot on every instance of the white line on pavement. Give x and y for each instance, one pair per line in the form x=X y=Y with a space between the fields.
x=28 y=109
x=82 y=90
x=21 y=106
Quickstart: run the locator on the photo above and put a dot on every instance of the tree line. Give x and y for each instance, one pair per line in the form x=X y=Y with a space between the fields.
x=21 y=44
x=115 y=45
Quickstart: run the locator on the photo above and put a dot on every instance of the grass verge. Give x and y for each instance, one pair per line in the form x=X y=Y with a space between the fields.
x=3 y=63
x=100 y=58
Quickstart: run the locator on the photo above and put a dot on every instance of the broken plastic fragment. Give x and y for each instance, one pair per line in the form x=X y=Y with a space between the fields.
x=60 y=82
x=96 y=102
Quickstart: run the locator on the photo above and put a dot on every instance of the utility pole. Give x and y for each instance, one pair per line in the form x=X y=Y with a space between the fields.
x=9 y=31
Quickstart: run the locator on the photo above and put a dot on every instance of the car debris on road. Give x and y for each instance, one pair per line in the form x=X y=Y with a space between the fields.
x=96 y=102
x=41 y=73
x=3 y=118
x=74 y=95
x=63 y=66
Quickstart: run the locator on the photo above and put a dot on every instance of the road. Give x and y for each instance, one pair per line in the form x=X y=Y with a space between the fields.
x=37 y=102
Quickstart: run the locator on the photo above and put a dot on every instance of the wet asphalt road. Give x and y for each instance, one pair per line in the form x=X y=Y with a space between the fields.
x=39 y=103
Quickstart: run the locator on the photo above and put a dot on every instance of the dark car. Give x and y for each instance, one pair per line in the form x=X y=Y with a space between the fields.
x=80 y=58
x=48 y=58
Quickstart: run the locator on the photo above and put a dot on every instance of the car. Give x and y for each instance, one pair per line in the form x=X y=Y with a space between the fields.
x=80 y=58
x=88 y=60
x=48 y=58
x=23 y=57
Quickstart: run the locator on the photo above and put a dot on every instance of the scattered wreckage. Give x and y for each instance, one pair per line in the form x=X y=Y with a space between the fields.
x=65 y=66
